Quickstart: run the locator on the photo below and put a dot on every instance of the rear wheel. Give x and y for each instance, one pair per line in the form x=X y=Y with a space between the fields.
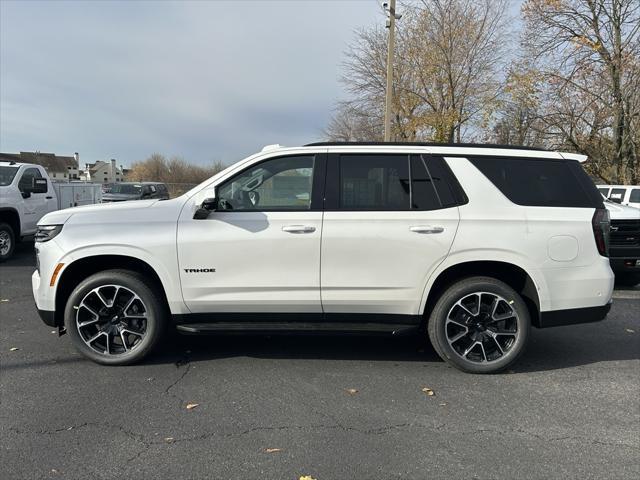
x=479 y=325
x=115 y=317
x=7 y=241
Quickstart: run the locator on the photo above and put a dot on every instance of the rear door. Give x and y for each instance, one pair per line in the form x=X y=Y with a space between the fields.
x=389 y=221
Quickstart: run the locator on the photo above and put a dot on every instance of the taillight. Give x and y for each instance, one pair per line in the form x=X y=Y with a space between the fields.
x=601 y=225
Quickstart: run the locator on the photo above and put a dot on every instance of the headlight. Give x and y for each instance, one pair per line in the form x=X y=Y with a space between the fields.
x=47 y=232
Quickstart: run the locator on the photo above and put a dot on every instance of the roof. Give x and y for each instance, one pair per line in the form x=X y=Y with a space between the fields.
x=460 y=149
x=423 y=144
x=50 y=161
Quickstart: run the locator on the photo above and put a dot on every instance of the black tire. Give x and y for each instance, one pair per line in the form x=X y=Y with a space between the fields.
x=7 y=241
x=448 y=315
x=627 y=279
x=149 y=305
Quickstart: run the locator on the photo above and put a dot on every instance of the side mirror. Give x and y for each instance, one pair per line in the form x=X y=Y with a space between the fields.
x=208 y=205
x=39 y=185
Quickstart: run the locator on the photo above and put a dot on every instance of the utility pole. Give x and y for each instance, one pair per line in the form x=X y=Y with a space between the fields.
x=391 y=25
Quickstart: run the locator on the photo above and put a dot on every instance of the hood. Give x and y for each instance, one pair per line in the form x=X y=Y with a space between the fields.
x=621 y=212
x=119 y=197
x=62 y=216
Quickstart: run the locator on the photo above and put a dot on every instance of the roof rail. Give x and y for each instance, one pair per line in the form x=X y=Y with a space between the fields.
x=425 y=144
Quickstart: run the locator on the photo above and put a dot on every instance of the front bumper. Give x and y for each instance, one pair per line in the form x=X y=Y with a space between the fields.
x=573 y=316
x=48 y=317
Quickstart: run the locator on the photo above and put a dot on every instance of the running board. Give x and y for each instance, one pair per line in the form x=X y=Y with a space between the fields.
x=296 y=327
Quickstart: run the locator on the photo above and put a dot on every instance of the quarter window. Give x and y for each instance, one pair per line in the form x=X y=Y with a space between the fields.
x=283 y=183
x=635 y=195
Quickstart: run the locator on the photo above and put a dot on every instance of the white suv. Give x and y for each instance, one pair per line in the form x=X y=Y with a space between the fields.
x=474 y=243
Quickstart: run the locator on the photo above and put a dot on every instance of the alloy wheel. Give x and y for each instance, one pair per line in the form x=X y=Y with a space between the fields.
x=5 y=242
x=112 y=320
x=482 y=327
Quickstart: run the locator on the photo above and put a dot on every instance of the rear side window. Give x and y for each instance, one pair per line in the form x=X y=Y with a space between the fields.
x=635 y=195
x=374 y=182
x=540 y=182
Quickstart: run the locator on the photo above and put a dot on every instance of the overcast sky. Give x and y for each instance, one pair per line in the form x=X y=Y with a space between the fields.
x=206 y=80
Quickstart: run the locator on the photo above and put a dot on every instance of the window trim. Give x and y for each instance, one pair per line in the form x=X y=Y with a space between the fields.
x=317 y=186
x=333 y=182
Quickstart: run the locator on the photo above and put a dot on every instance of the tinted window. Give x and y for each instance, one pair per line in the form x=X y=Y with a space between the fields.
x=7 y=174
x=26 y=181
x=537 y=182
x=423 y=193
x=374 y=182
x=635 y=195
x=283 y=183
x=604 y=191
x=617 y=193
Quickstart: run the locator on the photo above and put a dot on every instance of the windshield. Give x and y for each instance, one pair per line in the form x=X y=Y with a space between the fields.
x=7 y=174
x=127 y=189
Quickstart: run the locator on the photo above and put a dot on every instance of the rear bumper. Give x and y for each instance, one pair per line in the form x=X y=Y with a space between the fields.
x=573 y=316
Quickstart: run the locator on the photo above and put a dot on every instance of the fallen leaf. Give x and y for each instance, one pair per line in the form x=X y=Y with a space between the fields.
x=54 y=471
x=4 y=300
x=169 y=439
x=428 y=391
x=307 y=477
x=272 y=450
x=191 y=406
x=70 y=428
x=13 y=349
x=351 y=391
x=443 y=404
x=630 y=331
x=54 y=332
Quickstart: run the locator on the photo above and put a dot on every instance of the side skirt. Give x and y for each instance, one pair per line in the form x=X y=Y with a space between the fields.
x=287 y=323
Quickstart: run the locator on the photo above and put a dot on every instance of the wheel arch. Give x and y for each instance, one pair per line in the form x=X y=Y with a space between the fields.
x=77 y=271
x=11 y=217
x=513 y=275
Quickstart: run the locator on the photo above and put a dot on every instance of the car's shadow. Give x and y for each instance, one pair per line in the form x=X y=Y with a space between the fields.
x=552 y=349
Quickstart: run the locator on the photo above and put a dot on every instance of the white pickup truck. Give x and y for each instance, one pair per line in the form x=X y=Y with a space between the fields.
x=26 y=195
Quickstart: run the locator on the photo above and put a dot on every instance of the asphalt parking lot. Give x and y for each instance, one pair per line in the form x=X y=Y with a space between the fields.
x=326 y=407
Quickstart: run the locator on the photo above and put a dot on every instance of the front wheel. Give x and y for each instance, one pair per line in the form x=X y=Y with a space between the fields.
x=7 y=241
x=115 y=317
x=479 y=325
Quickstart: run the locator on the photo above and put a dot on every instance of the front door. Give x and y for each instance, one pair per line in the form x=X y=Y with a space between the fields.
x=260 y=251
x=389 y=222
x=35 y=204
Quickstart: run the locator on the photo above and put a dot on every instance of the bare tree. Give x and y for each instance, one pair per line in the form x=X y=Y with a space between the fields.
x=446 y=73
x=589 y=50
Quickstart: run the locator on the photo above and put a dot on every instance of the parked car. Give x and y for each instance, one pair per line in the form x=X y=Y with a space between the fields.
x=628 y=195
x=475 y=244
x=26 y=195
x=121 y=192
x=624 y=246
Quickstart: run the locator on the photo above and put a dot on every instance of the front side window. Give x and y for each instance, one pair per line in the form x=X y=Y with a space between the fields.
x=617 y=194
x=283 y=183
x=26 y=181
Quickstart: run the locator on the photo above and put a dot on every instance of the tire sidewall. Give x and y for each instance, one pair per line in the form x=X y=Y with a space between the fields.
x=134 y=282
x=458 y=291
x=5 y=227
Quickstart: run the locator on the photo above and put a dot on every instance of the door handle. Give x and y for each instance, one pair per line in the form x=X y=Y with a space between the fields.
x=48 y=198
x=426 y=229
x=298 y=229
